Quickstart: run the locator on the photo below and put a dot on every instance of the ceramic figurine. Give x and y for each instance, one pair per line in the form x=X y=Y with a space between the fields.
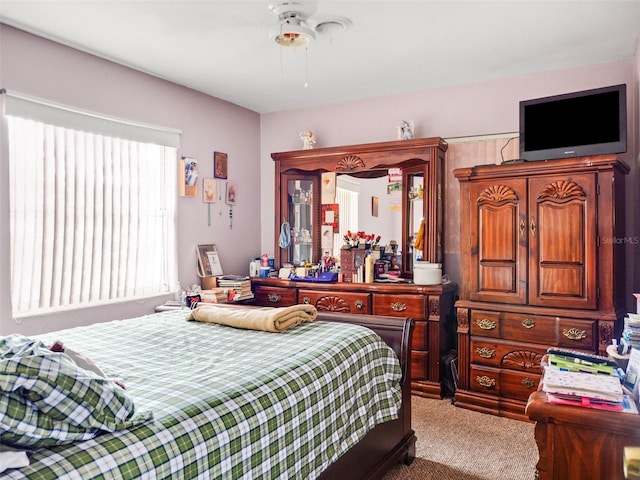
x=308 y=139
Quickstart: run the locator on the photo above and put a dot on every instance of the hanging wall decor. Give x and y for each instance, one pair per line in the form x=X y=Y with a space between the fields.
x=219 y=165
x=232 y=193
x=188 y=177
x=208 y=190
x=209 y=195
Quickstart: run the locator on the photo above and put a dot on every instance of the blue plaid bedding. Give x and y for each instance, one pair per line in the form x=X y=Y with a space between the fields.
x=228 y=403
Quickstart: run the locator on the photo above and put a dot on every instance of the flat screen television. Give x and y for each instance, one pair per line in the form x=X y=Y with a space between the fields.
x=590 y=122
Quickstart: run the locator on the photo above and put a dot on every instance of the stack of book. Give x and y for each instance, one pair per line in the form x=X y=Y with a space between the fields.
x=238 y=288
x=216 y=295
x=581 y=379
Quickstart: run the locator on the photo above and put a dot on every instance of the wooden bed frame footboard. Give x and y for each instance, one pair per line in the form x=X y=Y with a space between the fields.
x=391 y=442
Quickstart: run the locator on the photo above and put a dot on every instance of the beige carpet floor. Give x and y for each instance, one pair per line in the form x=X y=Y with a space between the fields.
x=459 y=444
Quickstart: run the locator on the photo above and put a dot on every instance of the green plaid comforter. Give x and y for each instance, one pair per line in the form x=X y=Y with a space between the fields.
x=228 y=403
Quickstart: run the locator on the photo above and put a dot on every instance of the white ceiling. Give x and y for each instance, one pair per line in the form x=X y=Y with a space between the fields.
x=222 y=47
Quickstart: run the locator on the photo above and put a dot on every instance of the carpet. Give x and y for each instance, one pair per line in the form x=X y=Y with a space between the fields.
x=459 y=444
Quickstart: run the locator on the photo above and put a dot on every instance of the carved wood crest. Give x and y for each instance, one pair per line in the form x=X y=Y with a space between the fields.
x=562 y=190
x=497 y=194
x=333 y=304
x=350 y=162
x=522 y=358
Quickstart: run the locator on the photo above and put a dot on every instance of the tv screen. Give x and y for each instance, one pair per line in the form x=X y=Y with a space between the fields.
x=591 y=122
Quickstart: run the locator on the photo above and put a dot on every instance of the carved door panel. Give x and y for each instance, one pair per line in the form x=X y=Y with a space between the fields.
x=499 y=241
x=562 y=241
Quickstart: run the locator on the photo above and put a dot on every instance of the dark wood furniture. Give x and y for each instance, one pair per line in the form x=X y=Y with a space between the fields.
x=575 y=443
x=297 y=200
x=390 y=442
x=542 y=266
x=430 y=307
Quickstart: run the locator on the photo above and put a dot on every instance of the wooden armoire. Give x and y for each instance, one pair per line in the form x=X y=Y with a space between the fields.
x=542 y=260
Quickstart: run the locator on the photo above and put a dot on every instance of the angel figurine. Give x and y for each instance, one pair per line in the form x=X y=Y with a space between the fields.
x=405 y=130
x=308 y=139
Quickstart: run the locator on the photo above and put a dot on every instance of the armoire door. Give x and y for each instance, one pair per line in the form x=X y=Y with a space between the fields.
x=499 y=241
x=562 y=241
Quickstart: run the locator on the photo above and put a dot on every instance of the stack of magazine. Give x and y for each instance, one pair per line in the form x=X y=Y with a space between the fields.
x=582 y=379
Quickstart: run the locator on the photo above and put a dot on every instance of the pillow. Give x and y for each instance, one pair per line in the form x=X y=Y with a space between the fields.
x=47 y=399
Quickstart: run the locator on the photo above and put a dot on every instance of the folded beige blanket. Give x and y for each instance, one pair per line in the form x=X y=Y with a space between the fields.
x=268 y=319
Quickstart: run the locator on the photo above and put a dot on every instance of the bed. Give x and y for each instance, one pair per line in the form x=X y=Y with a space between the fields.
x=326 y=399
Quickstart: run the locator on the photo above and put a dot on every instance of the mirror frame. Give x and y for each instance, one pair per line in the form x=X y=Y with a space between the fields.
x=423 y=156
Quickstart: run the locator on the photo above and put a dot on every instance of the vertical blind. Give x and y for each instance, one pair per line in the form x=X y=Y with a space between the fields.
x=92 y=217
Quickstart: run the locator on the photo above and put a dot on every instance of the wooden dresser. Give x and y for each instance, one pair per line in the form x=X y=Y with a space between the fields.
x=431 y=307
x=542 y=263
x=576 y=443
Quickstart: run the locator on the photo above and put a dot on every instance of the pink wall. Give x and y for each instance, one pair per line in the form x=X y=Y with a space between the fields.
x=489 y=107
x=40 y=68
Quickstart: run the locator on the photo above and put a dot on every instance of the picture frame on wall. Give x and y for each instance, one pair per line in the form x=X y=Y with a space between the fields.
x=220 y=165
x=232 y=193
x=209 y=190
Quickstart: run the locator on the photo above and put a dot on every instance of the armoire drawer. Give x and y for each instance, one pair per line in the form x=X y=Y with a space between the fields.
x=504 y=382
x=518 y=385
x=484 y=379
x=399 y=305
x=345 y=302
x=577 y=334
x=274 y=296
x=523 y=357
x=485 y=324
x=528 y=328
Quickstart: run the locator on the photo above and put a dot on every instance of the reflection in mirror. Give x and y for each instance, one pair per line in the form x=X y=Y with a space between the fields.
x=354 y=197
x=415 y=202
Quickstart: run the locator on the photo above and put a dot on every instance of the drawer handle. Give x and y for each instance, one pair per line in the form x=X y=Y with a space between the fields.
x=574 y=334
x=486 y=381
x=486 y=324
x=528 y=323
x=274 y=298
x=486 y=352
x=398 y=307
x=359 y=304
x=306 y=300
x=527 y=382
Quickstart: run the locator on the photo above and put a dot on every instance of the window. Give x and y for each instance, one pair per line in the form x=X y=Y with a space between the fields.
x=92 y=215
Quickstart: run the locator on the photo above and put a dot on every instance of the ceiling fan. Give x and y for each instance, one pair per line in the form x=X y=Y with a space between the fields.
x=297 y=27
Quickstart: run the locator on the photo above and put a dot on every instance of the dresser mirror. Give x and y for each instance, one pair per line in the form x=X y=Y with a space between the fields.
x=362 y=173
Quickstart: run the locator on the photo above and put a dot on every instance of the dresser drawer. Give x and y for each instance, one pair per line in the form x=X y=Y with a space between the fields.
x=419 y=365
x=399 y=305
x=485 y=324
x=577 y=334
x=528 y=328
x=274 y=296
x=345 y=302
x=521 y=357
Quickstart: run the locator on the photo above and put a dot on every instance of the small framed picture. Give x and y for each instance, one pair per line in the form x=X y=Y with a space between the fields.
x=232 y=193
x=208 y=261
x=209 y=190
x=374 y=206
x=219 y=165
